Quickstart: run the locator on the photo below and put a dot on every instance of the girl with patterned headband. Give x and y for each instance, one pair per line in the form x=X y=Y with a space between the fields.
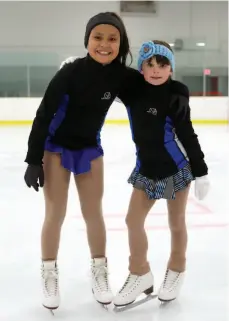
x=169 y=158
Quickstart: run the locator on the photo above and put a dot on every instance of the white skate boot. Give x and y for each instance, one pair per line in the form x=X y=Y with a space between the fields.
x=50 y=285
x=171 y=286
x=100 y=283
x=134 y=286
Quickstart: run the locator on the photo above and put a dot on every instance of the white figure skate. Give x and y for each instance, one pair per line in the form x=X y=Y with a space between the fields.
x=100 y=282
x=50 y=285
x=171 y=286
x=134 y=286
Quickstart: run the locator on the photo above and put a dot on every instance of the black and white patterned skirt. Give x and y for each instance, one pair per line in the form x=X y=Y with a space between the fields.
x=162 y=188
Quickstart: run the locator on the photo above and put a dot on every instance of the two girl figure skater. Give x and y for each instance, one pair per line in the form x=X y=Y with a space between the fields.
x=65 y=139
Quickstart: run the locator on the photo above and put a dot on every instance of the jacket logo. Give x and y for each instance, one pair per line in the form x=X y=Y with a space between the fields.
x=106 y=96
x=152 y=111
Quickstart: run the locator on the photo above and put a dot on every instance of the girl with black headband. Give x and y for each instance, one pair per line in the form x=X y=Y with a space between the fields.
x=65 y=139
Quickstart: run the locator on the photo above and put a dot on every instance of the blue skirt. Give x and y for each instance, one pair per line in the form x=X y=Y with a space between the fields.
x=76 y=161
x=162 y=188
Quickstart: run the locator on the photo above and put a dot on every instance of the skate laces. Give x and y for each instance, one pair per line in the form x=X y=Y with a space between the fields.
x=50 y=278
x=171 y=279
x=100 y=275
x=130 y=281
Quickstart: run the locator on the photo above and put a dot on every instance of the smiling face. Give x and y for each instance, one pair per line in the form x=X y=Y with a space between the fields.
x=156 y=70
x=104 y=43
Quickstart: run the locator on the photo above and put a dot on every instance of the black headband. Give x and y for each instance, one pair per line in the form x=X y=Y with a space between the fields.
x=105 y=18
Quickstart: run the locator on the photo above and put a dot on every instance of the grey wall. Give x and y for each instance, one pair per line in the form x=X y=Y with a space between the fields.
x=58 y=27
x=35 y=36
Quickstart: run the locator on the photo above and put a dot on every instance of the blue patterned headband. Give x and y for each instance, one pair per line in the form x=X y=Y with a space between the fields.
x=150 y=49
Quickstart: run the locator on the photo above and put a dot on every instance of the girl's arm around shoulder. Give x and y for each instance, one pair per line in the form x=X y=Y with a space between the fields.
x=131 y=86
x=179 y=88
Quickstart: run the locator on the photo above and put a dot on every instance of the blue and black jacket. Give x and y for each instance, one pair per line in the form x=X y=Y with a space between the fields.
x=75 y=104
x=162 y=131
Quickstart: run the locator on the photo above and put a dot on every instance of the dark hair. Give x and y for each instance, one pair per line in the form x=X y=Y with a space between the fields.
x=114 y=19
x=161 y=60
x=124 y=49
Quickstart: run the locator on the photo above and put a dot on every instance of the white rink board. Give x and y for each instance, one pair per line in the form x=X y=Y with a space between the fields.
x=202 y=109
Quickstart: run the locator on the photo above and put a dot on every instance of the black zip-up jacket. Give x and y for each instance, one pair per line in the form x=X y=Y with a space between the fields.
x=75 y=104
x=162 y=131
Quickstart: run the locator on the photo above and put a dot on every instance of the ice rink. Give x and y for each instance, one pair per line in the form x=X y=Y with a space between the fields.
x=205 y=294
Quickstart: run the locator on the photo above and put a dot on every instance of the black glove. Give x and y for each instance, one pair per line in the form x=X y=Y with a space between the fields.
x=32 y=175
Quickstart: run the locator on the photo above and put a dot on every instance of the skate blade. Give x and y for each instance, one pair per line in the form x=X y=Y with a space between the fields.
x=164 y=303
x=135 y=304
x=104 y=306
x=50 y=310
